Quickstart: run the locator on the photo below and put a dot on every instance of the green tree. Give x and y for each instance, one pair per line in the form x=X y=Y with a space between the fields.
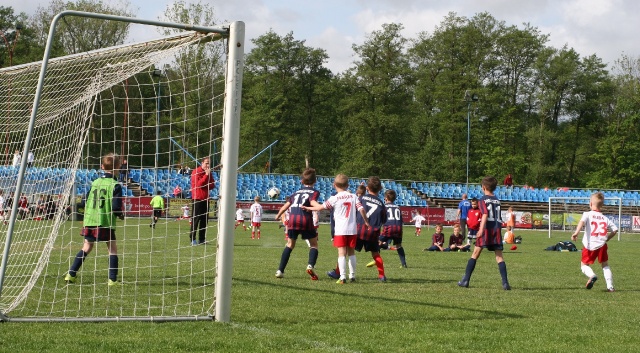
x=377 y=107
x=288 y=96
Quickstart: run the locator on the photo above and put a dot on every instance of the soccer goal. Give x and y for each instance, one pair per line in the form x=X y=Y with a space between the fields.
x=565 y=212
x=162 y=104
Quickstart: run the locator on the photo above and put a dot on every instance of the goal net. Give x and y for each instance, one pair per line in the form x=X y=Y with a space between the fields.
x=565 y=212
x=161 y=105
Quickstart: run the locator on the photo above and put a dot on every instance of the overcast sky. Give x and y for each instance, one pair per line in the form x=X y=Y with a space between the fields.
x=607 y=28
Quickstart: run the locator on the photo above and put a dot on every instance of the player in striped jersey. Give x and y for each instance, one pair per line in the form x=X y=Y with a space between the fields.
x=369 y=235
x=392 y=230
x=489 y=234
x=301 y=222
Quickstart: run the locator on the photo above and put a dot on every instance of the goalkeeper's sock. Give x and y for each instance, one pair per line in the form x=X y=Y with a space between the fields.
x=113 y=267
x=77 y=263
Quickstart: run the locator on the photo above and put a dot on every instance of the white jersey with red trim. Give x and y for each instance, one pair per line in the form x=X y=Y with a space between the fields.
x=185 y=211
x=344 y=205
x=596 y=227
x=256 y=213
x=418 y=219
x=239 y=215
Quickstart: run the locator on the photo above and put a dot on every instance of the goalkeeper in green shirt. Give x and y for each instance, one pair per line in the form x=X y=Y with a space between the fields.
x=103 y=204
x=157 y=203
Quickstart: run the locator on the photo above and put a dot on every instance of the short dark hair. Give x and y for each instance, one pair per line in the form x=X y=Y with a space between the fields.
x=374 y=184
x=361 y=190
x=110 y=162
x=490 y=183
x=309 y=176
x=390 y=195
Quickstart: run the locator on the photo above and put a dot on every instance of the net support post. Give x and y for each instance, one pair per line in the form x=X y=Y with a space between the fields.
x=229 y=172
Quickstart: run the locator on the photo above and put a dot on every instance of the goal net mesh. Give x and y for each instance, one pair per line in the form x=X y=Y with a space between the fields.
x=157 y=104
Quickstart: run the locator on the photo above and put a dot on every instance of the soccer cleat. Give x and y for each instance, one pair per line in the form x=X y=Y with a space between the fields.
x=342 y=281
x=333 y=274
x=150 y=225
x=352 y=280
x=506 y=286
x=403 y=266
x=371 y=264
x=382 y=278
x=112 y=283
x=69 y=278
x=312 y=273
x=463 y=283
x=591 y=281
x=393 y=248
x=611 y=290
x=279 y=274
x=194 y=243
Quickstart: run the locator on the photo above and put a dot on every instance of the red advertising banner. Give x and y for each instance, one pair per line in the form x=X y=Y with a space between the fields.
x=138 y=206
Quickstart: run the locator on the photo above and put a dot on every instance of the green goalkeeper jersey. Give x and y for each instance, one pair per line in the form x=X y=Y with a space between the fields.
x=157 y=202
x=98 y=211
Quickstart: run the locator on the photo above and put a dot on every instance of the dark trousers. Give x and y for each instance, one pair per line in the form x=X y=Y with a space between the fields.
x=200 y=213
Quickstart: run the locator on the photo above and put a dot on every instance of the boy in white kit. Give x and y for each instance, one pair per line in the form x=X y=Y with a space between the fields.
x=418 y=219
x=256 y=217
x=344 y=205
x=595 y=241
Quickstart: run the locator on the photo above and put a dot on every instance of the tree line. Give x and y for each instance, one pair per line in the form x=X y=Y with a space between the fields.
x=405 y=106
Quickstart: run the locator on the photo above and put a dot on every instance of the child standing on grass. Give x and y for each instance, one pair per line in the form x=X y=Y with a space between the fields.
x=474 y=216
x=240 y=219
x=369 y=234
x=256 y=217
x=418 y=219
x=344 y=206
x=301 y=222
x=489 y=234
x=595 y=241
x=392 y=230
x=103 y=205
x=157 y=203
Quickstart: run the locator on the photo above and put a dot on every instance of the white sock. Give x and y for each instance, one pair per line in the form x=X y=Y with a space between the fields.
x=608 y=276
x=352 y=266
x=342 y=266
x=587 y=271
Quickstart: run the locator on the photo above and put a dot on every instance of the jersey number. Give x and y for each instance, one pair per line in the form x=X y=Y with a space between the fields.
x=102 y=197
x=598 y=229
x=393 y=214
x=299 y=200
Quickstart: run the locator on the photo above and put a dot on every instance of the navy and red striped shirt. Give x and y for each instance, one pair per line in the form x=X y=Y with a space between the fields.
x=377 y=214
x=437 y=238
x=393 y=226
x=300 y=219
x=492 y=235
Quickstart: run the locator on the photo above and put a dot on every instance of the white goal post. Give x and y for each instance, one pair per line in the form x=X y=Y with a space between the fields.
x=578 y=205
x=160 y=104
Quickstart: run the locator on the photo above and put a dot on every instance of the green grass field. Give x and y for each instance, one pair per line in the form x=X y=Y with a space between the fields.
x=419 y=309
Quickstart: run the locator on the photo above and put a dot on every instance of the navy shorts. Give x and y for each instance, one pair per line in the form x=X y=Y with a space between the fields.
x=368 y=245
x=397 y=241
x=93 y=234
x=472 y=234
x=305 y=234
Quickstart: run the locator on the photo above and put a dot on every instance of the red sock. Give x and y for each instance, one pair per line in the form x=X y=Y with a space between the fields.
x=378 y=259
